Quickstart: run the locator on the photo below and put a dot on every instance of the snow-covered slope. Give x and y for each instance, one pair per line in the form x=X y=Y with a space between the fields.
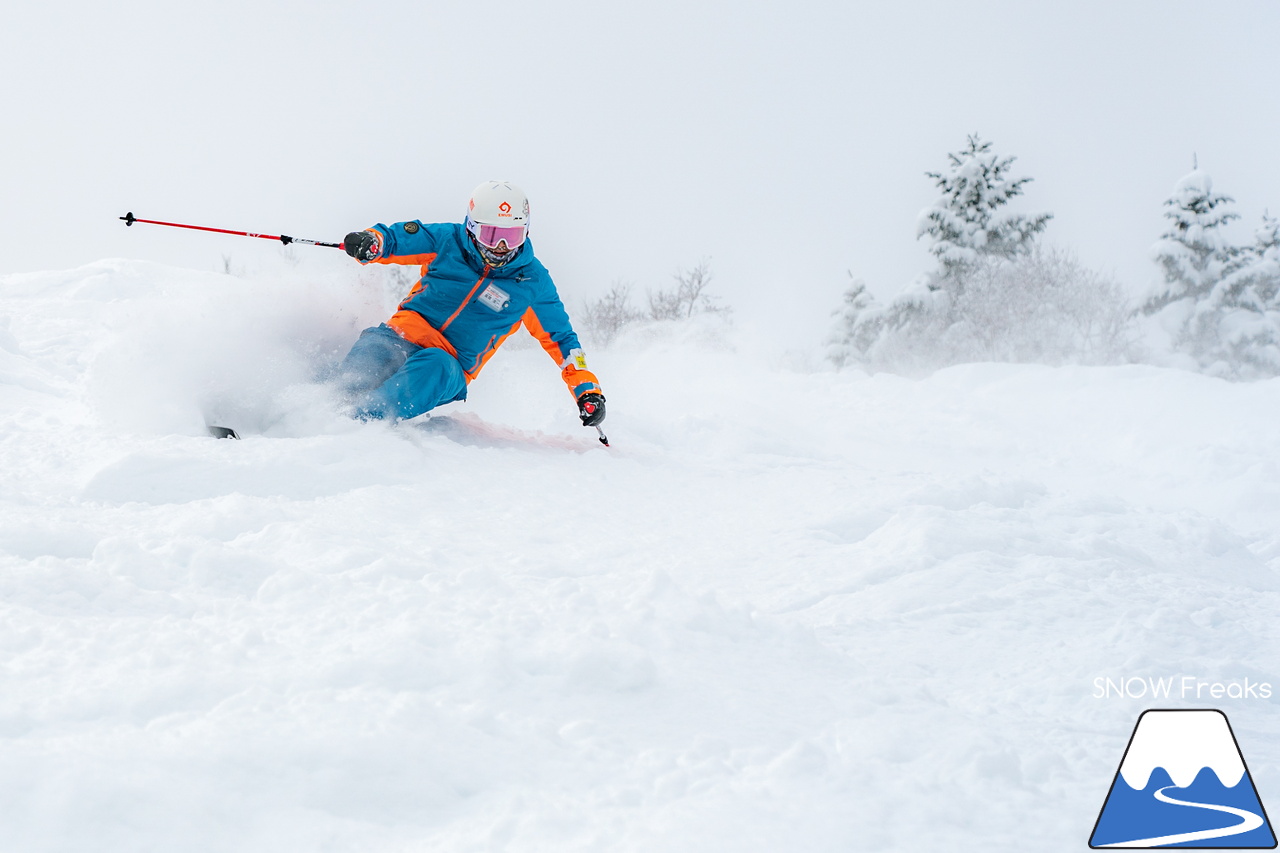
x=788 y=610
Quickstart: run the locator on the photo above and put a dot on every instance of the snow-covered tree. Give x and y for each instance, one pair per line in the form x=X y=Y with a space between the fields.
x=1255 y=280
x=974 y=235
x=1218 y=303
x=1236 y=327
x=968 y=221
x=1268 y=237
x=857 y=325
x=1042 y=306
x=1261 y=270
x=1193 y=253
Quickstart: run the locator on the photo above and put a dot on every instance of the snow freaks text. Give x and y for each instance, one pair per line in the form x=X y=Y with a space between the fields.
x=1178 y=687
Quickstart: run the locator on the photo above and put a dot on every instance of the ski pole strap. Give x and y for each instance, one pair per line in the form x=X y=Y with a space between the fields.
x=129 y=219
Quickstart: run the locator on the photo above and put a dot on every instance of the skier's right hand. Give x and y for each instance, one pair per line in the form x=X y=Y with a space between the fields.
x=362 y=246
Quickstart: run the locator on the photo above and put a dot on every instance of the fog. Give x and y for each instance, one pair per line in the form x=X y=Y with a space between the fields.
x=785 y=143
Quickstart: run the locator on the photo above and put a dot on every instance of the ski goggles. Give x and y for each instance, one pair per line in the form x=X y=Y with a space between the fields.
x=491 y=235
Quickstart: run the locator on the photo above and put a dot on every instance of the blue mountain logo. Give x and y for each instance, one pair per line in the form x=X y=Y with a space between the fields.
x=1183 y=783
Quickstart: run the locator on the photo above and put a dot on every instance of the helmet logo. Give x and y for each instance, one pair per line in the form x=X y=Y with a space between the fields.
x=504 y=209
x=473 y=204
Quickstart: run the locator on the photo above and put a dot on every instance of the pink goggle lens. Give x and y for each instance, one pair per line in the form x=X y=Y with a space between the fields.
x=492 y=235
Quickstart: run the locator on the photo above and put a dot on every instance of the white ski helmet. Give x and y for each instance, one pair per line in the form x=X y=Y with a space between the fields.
x=499 y=203
x=498 y=220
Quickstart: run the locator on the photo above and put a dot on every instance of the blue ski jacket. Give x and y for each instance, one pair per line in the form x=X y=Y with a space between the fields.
x=465 y=306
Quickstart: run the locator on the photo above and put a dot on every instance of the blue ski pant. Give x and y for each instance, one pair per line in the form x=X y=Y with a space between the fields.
x=386 y=376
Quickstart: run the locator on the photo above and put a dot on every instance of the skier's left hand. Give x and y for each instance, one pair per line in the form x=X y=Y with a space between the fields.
x=591 y=408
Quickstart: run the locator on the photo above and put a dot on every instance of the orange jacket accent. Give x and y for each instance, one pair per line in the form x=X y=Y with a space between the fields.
x=424 y=260
x=465 y=301
x=415 y=329
x=488 y=353
x=572 y=376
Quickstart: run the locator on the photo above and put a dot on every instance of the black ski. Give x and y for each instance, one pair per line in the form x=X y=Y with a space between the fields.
x=223 y=432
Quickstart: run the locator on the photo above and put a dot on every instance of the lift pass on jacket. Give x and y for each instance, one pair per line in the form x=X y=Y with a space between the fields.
x=495 y=297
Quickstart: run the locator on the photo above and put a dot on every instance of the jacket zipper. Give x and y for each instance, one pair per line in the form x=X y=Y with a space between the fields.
x=454 y=315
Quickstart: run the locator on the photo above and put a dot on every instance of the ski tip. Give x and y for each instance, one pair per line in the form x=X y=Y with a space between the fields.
x=223 y=432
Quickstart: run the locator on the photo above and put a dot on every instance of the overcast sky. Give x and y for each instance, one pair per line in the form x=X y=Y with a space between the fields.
x=785 y=142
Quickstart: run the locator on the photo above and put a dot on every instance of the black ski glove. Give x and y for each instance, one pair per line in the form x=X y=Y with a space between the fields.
x=361 y=245
x=591 y=409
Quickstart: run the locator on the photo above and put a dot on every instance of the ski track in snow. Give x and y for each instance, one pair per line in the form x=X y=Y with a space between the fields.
x=790 y=611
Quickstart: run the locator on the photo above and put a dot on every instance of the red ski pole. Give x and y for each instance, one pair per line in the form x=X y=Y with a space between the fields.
x=129 y=219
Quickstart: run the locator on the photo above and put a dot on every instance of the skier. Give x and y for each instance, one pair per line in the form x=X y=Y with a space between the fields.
x=480 y=281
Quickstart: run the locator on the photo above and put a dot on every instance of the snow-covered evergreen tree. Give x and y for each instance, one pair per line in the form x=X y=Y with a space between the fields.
x=934 y=322
x=858 y=335
x=1255 y=280
x=968 y=221
x=1268 y=237
x=1218 y=303
x=1237 y=326
x=1193 y=253
x=851 y=334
